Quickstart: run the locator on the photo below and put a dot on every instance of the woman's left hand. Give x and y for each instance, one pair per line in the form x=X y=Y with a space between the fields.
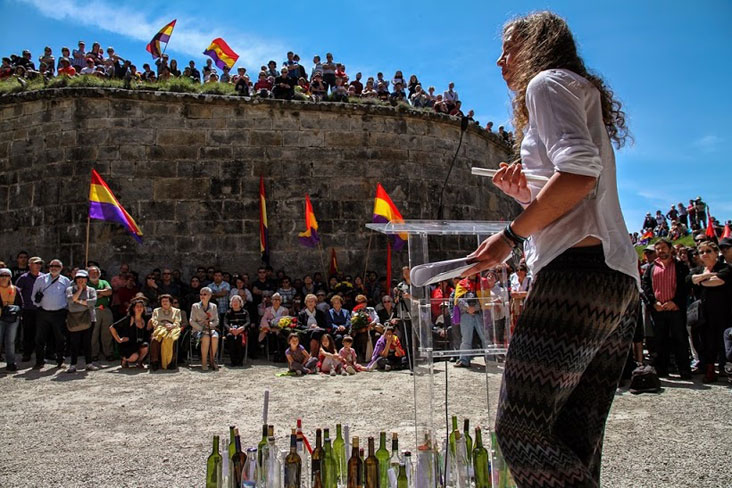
x=491 y=252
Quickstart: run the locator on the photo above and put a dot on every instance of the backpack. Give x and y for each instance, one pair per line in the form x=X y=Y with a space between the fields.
x=644 y=380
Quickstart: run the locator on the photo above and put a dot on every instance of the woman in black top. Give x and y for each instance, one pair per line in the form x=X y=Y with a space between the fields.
x=132 y=334
x=237 y=328
x=713 y=286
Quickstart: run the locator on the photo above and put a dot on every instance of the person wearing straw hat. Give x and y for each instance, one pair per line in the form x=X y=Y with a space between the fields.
x=80 y=320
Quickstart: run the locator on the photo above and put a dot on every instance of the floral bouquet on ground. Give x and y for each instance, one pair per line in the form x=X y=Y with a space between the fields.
x=359 y=321
x=287 y=322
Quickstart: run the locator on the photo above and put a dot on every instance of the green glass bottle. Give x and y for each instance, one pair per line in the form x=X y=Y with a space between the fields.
x=232 y=443
x=481 y=462
x=293 y=465
x=262 y=446
x=355 y=467
x=213 y=466
x=468 y=439
x=371 y=468
x=402 y=481
x=453 y=434
x=383 y=456
x=316 y=461
x=237 y=460
x=330 y=471
x=339 y=450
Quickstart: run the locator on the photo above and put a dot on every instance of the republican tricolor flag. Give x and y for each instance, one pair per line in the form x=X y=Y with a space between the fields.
x=222 y=55
x=385 y=211
x=310 y=237
x=263 y=226
x=103 y=205
x=162 y=36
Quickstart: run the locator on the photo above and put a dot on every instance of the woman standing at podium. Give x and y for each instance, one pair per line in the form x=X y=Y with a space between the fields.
x=573 y=337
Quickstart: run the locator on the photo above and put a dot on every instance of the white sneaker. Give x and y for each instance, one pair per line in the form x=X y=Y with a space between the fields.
x=387 y=367
x=350 y=370
x=332 y=372
x=92 y=367
x=344 y=372
x=71 y=369
x=204 y=368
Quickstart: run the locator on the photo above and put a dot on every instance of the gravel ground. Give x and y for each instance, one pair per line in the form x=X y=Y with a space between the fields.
x=125 y=428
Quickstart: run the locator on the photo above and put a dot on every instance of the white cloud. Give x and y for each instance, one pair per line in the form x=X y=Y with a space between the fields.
x=708 y=143
x=133 y=24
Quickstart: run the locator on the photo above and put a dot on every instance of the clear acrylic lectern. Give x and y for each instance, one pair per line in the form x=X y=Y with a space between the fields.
x=436 y=338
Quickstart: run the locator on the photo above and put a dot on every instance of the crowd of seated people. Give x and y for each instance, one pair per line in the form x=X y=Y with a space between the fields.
x=327 y=80
x=346 y=323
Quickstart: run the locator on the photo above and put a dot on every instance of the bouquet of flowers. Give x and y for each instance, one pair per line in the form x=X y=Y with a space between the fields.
x=360 y=320
x=287 y=322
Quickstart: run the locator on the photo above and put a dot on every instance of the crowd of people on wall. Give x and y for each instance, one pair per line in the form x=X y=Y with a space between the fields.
x=326 y=80
x=679 y=221
x=341 y=325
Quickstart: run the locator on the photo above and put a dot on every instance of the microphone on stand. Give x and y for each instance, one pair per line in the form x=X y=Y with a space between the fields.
x=463 y=127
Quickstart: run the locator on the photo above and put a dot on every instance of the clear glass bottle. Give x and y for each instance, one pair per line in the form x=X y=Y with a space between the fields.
x=273 y=464
x=395 y=458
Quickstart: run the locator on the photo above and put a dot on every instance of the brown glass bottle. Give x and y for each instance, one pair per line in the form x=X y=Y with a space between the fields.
x=371 y=469
x=355 y=468
x=316 y=458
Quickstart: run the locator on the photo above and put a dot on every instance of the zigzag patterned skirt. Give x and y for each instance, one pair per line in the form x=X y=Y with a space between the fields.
x=562 y=370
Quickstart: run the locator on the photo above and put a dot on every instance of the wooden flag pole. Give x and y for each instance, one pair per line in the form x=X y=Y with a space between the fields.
x=368 y=252
x=86 y=253
x=322 y=261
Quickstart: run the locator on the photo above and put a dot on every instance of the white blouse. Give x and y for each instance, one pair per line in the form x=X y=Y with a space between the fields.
x=566 y=134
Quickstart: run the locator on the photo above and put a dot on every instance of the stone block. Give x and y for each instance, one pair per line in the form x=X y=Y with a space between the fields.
x=180 y=137
x=181 y=188
x=197 y=111
x=265 y=138
x=227 y=137
x=252 y=153
x=216 y=152
x=346 y=138
x=172 y=153
x=123 y=135
x=198 y=169
x=205 y=123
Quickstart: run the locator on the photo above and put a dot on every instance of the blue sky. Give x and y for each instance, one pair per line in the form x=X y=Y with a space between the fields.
x=668 y=61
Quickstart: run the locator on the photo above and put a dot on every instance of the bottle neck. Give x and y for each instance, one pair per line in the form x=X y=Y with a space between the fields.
x=478 y=438
x=216 y=444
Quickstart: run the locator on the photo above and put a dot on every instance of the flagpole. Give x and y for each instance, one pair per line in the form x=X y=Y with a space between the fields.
x=86 y=253
x=368 y=252
x=322 y=261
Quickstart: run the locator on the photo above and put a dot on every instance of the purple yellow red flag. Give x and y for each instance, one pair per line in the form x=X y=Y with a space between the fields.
x=263 y=226
x=103 y=205
x=385 y=211
x=310 y=237
x=333 y=265
x=222 y=55
x=162 y=36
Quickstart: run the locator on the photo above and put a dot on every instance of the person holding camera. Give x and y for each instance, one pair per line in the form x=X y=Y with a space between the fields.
x=11 y=301
x=49 y=295
x=80 y=319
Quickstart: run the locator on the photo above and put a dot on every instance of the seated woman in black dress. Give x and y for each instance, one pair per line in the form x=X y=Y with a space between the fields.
x=314 y=321
x=237 y=327
x=132 y=335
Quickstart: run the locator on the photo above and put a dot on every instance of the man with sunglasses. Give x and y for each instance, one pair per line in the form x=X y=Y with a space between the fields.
x=49 y=295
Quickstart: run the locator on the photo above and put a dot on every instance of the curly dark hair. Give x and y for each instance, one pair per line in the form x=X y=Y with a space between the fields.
x=544 y=41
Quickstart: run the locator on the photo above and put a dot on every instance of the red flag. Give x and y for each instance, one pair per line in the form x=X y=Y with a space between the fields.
x=388 y=264
x=333 y=268
x=727 y=232
x=710 y=228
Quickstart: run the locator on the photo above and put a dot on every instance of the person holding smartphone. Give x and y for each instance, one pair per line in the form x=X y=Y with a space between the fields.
x=570 y=344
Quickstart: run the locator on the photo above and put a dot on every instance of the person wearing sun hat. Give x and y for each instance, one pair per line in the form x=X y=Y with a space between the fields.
x=82 y=301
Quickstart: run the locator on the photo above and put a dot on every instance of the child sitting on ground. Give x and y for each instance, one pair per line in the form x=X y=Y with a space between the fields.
x=299 y=360
x=329 y=362
x=348 y=356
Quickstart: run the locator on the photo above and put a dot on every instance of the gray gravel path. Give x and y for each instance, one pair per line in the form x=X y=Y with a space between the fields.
x=124 y=428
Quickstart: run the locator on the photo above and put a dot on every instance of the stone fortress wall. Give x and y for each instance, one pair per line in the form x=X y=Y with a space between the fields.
x=187 y=168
